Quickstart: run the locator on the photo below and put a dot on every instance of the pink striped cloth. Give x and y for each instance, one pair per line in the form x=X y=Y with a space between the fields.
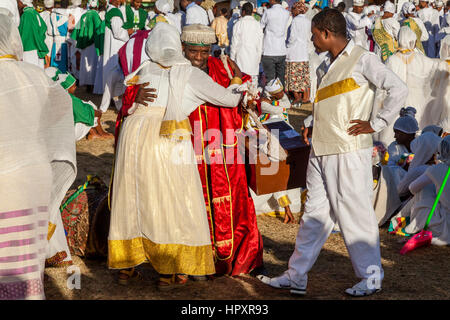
x=23 y=239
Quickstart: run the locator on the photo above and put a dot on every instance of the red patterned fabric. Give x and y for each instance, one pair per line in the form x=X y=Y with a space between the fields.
x=234 y=231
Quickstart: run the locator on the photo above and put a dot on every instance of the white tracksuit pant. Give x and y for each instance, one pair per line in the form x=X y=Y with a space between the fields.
x=339 y=190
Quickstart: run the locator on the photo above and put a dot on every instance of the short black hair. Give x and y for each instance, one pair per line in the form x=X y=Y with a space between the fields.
x=224 y=11
x=341 y=6
x=247 y=8
x=332 y=20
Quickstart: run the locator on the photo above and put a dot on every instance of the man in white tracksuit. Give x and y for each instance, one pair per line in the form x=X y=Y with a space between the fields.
x=339 y=176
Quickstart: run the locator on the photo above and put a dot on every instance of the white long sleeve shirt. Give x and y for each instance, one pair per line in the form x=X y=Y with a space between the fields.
x=274 y=22
x=299 y=39
x=196 y=14
x=369 y=69
x=356 y=28
x=246 y=45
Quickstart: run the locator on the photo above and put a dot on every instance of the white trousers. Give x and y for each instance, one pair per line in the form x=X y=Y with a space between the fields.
x=114 y=88
x=339 y=190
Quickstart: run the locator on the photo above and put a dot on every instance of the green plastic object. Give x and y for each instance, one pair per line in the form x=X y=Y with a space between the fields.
x=437 y=199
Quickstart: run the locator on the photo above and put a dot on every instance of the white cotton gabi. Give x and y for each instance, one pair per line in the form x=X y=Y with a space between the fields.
x=10 y=41
x=423 y=147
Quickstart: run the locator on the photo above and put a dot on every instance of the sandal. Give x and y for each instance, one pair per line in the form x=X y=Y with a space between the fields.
x=173 y=281
x=127 y=275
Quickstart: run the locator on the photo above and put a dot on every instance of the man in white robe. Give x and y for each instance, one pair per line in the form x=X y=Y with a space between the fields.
x=357 y=24
x=194 y=13
x=13 y=11
x=247 y=42
x=48 y=4
x=75 y=11
x=115 y=38
x=430 y=18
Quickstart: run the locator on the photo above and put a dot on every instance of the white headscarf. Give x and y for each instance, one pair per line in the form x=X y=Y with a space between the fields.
x=10 y=41
x=407 y=122
x=49 y=3
x=444 y=150
x=408 y=8
x=407 y=38
x=93 y=3
x=76 y=3
x=433 y=128
x=165 y=6
x=28 y=3
x=423 y=147
x=11 y=6
x=389 y=7
x=163 y=46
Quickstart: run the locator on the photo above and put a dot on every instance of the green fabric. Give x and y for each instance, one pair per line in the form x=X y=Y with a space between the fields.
x=129 y=23
x=33 y=35
x=257 y=17
x=114 y=12
x=82 y=112
x=99 y=39
x=68 y=82
x=86 y=31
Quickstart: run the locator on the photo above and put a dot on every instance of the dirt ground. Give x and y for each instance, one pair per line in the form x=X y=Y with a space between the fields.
x=422 y=274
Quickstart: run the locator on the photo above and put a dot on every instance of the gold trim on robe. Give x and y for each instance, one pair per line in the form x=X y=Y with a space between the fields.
x=165 y=258
x=176 y=129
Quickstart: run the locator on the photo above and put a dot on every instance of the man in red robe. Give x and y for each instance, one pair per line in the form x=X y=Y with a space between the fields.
x=236 y=240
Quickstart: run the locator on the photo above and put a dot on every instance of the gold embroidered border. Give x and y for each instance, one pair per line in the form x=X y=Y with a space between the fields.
x=180 y=129
x=284 y=201
x=220 y=199
x=165 y=258
x=9 y=56
x=336 y=88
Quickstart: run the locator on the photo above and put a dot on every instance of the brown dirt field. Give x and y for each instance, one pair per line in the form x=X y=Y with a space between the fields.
x=422 y=274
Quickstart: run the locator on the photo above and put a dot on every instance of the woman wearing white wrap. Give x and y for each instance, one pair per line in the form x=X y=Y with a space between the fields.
x=425 y=189
x=35 y=170
x=427 y=81
x=158 y=212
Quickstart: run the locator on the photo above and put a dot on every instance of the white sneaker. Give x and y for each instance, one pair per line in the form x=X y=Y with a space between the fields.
x=361 y=290
x=283 y=282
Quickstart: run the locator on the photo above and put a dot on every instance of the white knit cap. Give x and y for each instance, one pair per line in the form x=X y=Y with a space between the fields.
x=164 y=6
x=76 y=3
x=49 y=3
x=284 y=4
x=93 y=3
x=274 y=86
x=407 y=122
x=389 y=7
x=358 y=3
x=439 y=4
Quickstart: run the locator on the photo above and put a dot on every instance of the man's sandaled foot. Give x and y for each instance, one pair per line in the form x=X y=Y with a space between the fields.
x=172 y=281
x=127 y=275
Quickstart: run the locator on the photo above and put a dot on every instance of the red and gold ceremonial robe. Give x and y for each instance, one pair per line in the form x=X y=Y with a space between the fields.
x=238 y=246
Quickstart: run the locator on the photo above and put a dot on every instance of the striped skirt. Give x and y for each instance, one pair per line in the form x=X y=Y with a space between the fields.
x=24 y=198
